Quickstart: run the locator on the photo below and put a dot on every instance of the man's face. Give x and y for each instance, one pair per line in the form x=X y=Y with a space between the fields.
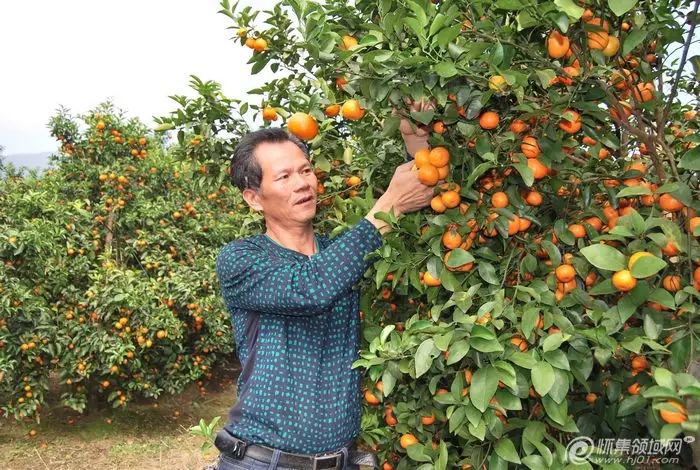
x=287 y=191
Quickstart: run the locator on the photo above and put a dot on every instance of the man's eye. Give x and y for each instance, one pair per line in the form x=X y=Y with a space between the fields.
x=306 y=171
x=283 y=177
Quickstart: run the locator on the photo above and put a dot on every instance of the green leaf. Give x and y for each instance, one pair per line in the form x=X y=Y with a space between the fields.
x=647 y=266
x=447 y=35
x=417 y=453
x=527 y=174
x=631 y=404
x=634 y=191
x=523 y=360
x=690 y=160
x=570 y=8
x=483 y=387
x=545 y=76
x=424 y=356
x=557 y=411
x=488 y=273
x=552 y=342
x=620 y=7
x=664 y=377
x=446 y=69
x=509 y=4
x=506 y=450
x=457 y=351
x=458 y=257
x=604 y=257
x=634 y=38
x=542 y=377
x=558 y=359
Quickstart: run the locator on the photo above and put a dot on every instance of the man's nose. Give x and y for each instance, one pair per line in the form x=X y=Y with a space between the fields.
x=301 y=182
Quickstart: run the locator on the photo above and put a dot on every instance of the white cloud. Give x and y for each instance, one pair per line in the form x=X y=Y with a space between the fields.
x=79 y=53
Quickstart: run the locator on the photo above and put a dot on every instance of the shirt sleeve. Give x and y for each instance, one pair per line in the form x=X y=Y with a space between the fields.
x=250 y=279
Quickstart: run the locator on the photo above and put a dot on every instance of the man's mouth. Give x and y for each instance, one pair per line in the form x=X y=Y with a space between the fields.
x=304 y=200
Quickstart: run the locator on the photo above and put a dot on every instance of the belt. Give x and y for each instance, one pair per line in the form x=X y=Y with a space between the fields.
x=236 y=448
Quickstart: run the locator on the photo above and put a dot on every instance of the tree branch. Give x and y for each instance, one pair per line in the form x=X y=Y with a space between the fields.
x=684 y=58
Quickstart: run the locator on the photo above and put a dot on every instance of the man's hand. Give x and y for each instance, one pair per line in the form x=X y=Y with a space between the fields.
x=405 y=194
x=415 y=137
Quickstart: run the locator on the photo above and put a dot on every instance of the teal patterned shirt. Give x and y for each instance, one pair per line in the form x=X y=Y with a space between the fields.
x=296 y=323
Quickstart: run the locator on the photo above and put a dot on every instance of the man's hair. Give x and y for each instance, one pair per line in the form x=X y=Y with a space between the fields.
x=245 y=169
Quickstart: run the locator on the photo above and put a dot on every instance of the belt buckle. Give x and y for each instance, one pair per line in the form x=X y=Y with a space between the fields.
x=337 y=458
x=238 y=449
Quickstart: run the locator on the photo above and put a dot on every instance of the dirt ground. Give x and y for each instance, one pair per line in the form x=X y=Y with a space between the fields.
x=146 y=435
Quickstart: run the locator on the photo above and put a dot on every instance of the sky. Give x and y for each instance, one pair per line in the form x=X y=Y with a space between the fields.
x=79 y=53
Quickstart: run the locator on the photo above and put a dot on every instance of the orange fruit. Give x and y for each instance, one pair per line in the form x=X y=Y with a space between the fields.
x=570 y=126
x=533 y=198
x=269 y=114
x=303 y=125
x=348 y=42
x=408 y=440
x=332 y=110
x=499 y=200
x=643 y=92
x=519 y=342
x=674 y=417
x=623 y=280
x=437 y=205
x=639 y=363
x=422 y=157
x=259 y=45
x=693 y=224
x=450 y=199
x=250 y=42
x=353 y=181
x=497 y=83
x=557 y=45
x=439 y=127
x=672 y=283
x=591 y=398
x=489 y=120
x=565 y=273
x=538 y=168
x=443 y=171
x=371 y=399
x=387 y=465
x=427 y=420
x=439 y=157
x=431 y=281
x=612 y=47
x=670 y=203
x=594 y=222
x=530 y=147
x=578 y=230
x=468 y=376
x=428 y=175
x=352 y=110
x=598 y=40
x=671 y=249
x=451 y=239
x=588 y=140
x=518 y=126
x=634 y=389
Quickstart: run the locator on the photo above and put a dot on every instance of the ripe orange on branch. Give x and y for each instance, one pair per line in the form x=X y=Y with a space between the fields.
x=557 y=45
x=303 y=126
x=352 y=110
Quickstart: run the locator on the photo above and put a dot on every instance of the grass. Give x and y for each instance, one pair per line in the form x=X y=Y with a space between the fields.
x=145 y=435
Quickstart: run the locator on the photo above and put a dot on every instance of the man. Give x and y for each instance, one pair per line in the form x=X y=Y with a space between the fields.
x=294 y=311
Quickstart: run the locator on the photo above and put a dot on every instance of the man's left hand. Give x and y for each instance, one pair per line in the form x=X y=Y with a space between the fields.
x=415 y=136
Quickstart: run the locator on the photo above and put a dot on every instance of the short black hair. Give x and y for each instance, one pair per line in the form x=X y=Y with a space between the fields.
x=245 y=170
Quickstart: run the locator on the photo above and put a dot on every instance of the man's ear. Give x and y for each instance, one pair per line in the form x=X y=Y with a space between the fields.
x=252 y=197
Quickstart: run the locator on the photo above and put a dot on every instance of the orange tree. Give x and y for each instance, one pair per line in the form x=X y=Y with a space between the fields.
x=552 y=288
x=107 y=286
